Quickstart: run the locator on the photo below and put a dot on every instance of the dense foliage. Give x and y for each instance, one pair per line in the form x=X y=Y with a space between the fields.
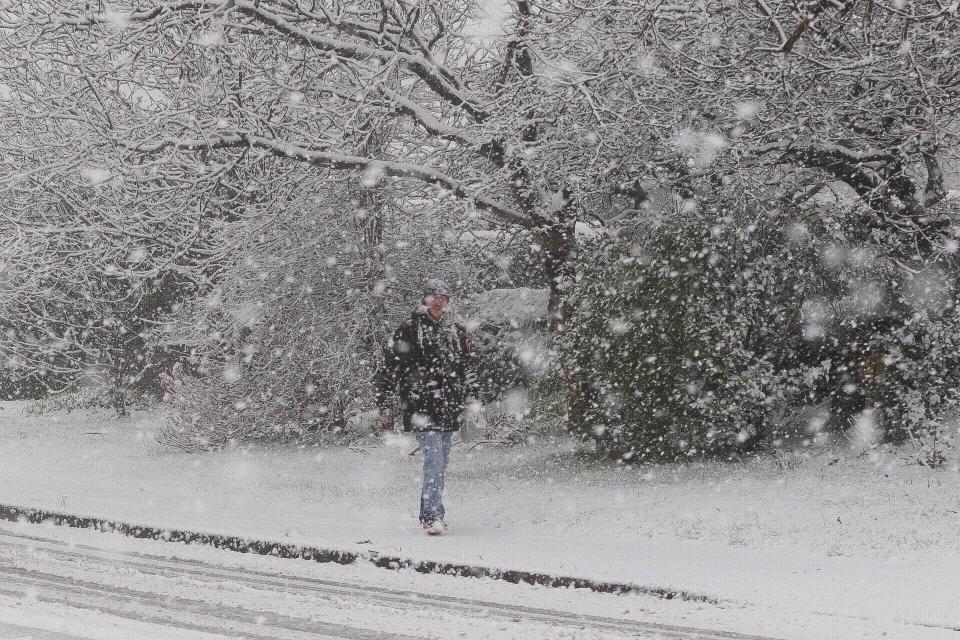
x=285 y=346
x=712 y=333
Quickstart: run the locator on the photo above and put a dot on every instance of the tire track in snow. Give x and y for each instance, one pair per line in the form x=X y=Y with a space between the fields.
x=175 y=611
x=204 y=571
x=9 y=630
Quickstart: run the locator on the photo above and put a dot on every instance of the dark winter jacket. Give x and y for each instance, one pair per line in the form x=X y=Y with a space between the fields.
x=426 y=362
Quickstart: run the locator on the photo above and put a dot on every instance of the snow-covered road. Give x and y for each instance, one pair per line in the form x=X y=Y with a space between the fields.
x=65 y=590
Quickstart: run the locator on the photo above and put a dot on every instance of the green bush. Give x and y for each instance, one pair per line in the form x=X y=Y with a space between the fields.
x=699 y=334
x=681 y=330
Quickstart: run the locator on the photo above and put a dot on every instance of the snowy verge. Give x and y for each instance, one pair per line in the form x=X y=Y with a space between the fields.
x=13 y=513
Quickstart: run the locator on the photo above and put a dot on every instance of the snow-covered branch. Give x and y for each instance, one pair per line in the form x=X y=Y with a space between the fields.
x=370 y=166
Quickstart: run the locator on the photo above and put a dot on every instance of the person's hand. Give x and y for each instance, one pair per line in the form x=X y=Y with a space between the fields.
x=385 y=418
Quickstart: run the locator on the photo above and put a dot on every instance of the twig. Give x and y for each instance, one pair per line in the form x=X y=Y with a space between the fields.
x=414 y=452
x=480 y=442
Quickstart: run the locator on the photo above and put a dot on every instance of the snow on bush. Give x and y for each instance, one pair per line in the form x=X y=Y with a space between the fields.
x=285 y=348
x=698 y=337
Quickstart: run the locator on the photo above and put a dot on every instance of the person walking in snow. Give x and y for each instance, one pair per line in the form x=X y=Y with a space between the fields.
x=426 y=364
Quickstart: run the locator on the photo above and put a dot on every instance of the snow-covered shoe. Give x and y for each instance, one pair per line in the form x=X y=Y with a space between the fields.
x=434 y=527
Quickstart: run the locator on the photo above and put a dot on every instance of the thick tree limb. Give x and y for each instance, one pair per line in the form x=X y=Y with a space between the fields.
x=424 y=118
x=340 y=161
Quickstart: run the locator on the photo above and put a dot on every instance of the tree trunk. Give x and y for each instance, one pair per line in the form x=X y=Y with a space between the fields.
x=558 y=245
x=371 y=197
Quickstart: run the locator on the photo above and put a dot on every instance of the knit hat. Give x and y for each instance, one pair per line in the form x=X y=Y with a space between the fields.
x=435 y=287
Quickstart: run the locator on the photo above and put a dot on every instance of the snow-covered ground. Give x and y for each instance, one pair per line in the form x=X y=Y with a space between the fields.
x=824 y=545
x=69 y=584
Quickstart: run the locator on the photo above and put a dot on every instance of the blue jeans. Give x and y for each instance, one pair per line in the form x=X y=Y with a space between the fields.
x=436 y=453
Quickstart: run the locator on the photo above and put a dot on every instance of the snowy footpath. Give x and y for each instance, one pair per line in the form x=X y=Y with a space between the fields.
x=822 y=545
